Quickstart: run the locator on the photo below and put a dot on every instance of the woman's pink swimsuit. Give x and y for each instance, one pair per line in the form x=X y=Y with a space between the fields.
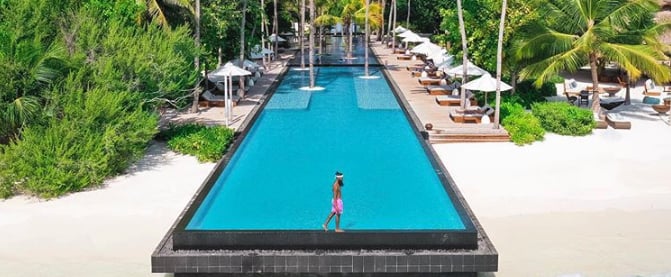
x=336 y=206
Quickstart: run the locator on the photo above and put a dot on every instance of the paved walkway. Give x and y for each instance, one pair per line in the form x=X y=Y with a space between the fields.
x=216 y=115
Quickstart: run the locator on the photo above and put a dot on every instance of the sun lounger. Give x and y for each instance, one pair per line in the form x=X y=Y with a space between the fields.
x=439 y=90
x=405 y=57
x=617 y=121
x=651 y=89
x=600 y=121
x=208 y=99
x=571 y=88
x=466 y=117
x=443 y=89
x=427 y=81
x=448 y=100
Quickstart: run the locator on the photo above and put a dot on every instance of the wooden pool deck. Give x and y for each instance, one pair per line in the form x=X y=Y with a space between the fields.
x=428 y=111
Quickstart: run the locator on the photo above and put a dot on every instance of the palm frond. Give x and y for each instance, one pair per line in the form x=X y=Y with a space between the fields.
x=545 y=42
x=567 y=61
x=638 y=59
x=623 y=13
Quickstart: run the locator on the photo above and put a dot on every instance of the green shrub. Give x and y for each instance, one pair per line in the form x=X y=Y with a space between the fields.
x=528 y=87
x=510 y=108
x=523 y=128
x=564 y=119
x=96 y=135
x=208 y=144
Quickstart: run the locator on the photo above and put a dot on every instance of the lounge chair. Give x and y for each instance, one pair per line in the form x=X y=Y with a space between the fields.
x=454 y=100
x=651 y=89
x=448 y=100
x=427 y=81
x=443 y=89
x=571 y=87
x=405 y=57
x=209 y=99
x=617 y=121
x=472 y=116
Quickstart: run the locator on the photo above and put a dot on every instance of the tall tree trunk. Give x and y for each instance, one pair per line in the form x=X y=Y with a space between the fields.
x=595 y=82
x=627 y=95
x=407 y=19
x=241 y=91
x=393 y=39
x=263 y=32
x=390 y=32
x=301 y=32
x=464 y=46
x=196 y=62
x=275 y=29
x=312 y=43
x=367 y=33
x=350 y=39
x=499 y=63
x=381 y=30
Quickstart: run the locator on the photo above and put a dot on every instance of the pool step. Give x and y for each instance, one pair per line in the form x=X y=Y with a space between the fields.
x=467 y=137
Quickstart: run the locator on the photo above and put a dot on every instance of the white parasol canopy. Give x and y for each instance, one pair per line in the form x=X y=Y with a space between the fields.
x=485 y=83
x=224 y=74
x=413 y=38
x=473 y=70
x=426 y=48
x=400 y=29
x=443 y=61
x=406 y=34
x=274 y=37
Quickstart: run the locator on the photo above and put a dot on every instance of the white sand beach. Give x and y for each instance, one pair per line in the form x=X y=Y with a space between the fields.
x=595 y=206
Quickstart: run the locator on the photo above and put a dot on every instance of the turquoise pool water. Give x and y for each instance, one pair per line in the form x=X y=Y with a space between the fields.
x=281 y=175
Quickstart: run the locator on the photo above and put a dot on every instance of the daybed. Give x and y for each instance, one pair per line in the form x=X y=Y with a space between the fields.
x=617 y=121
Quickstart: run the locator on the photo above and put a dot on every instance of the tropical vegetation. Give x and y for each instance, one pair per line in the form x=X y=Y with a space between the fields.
x=207 y=143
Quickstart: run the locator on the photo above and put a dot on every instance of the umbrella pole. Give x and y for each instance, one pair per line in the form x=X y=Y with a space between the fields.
x=226 y=100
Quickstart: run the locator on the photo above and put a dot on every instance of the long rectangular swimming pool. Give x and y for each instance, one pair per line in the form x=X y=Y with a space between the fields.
x=280 y=177
x=274 y=192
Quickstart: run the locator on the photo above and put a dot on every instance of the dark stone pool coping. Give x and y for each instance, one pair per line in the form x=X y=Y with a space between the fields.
x=481 y=257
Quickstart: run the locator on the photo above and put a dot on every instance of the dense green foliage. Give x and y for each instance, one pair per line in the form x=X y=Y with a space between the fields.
x=99 y=134
x=480 y=18
x=208 y=144
x=79 y=85
x=523 y=127
x=564 y=119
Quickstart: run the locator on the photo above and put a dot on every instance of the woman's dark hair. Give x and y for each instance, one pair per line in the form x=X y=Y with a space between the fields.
x=340 y=181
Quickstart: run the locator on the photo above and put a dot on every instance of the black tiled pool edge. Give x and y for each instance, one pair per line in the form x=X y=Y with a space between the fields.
x=453 y=262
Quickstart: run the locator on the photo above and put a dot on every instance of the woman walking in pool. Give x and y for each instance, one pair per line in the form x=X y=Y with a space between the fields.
x=336 y=203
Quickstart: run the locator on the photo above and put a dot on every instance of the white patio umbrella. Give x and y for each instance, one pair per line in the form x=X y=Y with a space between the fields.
x=413 y=38
x=275 y=37
x=247 y=63
x=473 y=70
x=400 y=29
x=406 y=34
x=443 y=61
x=485 y=83
x=426 y=48
x=225 y=74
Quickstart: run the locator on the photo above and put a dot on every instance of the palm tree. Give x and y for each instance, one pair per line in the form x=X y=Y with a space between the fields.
x=301 y=33
x=156 y=9
x=242 y=44
x=464 y=58
x=393 y=26
x=575 y=33
x=275 y=28
x=407 y=19
x=312 y=43
x=499 y=58
x=196 y=92
x=381 y=30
